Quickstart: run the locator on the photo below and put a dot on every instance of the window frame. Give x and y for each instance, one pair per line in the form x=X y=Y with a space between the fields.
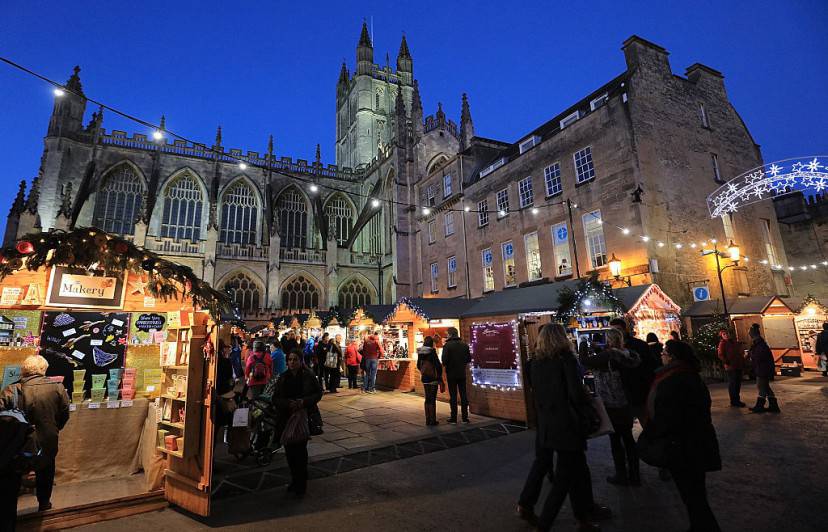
x=589 y=165
x=533 y=259
x=595 y=103
x=595 y=241
x=705 y=118
x=570 y=119
x=451 y=273
x=547 y=179
x=717 y=173
x=447 y=189
x=564 y=248
x=521 y=193
x=448 y=227
x=431 y=227
x=435 y=276
x=488 y=270
x=528 y=144
x=508 y=262
x=505 y=206
x=483 y=213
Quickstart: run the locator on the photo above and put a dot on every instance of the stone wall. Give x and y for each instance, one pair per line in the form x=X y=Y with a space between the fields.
x=804 y=226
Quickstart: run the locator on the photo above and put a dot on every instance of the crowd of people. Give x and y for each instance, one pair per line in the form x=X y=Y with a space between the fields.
x=658 y=384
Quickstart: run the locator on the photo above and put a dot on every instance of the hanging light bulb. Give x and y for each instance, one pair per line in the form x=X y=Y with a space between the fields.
x=467 y=208
x=733 y=251
x=426 y=211
x=660 y=244
x=692 y=245
x=625 y=230
x=242 y=166
x=375 y=203
x=645 y=238
x=679 y=245
x=58 y=92
x=157 y=135
x=535 y=210
x=314 y=189
x=501 y=213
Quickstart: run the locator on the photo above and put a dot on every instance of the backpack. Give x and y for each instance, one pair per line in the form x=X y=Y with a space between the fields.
x=259 y=371
x=19 y=448
x=331 y=360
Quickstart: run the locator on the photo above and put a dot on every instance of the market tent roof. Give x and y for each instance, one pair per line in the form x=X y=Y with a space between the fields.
x=538 y=298
x=378 y=313
x=629 y=295
x=435 y=308
x=741 y=305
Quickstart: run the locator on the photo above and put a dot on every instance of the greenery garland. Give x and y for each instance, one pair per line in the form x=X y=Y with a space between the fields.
x=570 y=302
x=94 y=250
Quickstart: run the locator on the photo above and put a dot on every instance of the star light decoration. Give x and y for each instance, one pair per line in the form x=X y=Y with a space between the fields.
x=774 y=179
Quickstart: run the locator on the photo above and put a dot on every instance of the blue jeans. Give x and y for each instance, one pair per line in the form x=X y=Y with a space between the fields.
x=370 y=379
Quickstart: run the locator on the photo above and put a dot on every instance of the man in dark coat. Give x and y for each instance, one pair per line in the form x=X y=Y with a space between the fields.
x=764 y=368
x=821 y=348
x=46 y=405
x=637 y=380
x=456 y=356
x=734 y=363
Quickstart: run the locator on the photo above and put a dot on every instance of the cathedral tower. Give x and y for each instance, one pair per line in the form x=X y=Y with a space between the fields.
x=365 y=114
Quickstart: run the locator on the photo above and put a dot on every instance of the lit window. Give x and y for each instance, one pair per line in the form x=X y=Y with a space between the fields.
x=448 y=220
x=714 y=160
x=503 y=203
x=447 y=185
x=527 y=198
x=552 y=178
x=533 y=259
x=482 y=213
x=452 y=272
x=118 y=201
x=239 y=215
x=509 y=273
x=434 y=273
x=560 y=247
x=584 y=169
x=594 y=231
x=183 y=202
x=432 y=236
x=488 y=270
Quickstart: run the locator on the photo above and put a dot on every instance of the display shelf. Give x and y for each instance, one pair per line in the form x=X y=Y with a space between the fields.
x=177 y=454
x=172 y=424
x=174 y=398
x=179 y=367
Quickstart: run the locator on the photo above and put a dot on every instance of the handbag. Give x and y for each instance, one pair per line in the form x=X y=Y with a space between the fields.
x=652 y=450
x=296 y=428
x=605 y=426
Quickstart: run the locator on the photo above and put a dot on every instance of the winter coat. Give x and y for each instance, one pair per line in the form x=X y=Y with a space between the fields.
x=46 y=405
x=302 y=385
x=679 y=412
x=556 y=384
x=352 y=356
x=638 y=379
x=730 y=354
x=762 y=358
x=607 y=366
x=655 y=352
x=429 y=353
x=279 y=361
x=371 y=348
x=456 y=356
x=821 y=347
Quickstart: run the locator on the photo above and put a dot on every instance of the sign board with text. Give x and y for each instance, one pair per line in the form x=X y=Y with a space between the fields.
x=78 y=289
x=494 y=355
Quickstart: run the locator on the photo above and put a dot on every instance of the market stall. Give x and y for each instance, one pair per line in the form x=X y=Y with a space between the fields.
x=130 y=336
x=809 y=315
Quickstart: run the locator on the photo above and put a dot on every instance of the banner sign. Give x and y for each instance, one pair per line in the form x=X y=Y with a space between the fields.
x=494 y=355
x=78 y=289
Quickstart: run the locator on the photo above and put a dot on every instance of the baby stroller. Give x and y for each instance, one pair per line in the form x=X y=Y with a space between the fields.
x=264 y=441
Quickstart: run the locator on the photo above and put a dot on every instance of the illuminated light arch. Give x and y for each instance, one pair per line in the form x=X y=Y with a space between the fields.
x=769 y=180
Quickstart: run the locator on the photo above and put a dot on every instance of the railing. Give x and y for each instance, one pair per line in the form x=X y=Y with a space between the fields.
x=232 y=156
x=310 y=256
x=177 y=247
x=241 y=251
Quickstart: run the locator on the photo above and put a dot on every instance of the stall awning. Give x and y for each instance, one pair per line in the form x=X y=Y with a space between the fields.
x=539 y=298
x=378 y=313
x=741 y=305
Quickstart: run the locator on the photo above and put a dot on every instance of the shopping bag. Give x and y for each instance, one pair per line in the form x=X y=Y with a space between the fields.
x=241 y=417
x=605 y=427
x=296 y=428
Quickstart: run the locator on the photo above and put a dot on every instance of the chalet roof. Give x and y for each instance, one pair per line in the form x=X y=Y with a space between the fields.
x=741 y=305
x=538 y=298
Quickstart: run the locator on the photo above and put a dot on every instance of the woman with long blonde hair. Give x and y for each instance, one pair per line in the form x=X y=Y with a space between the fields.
x=557 y=385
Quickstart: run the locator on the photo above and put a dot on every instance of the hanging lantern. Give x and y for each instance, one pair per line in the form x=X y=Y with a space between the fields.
x=24 y=247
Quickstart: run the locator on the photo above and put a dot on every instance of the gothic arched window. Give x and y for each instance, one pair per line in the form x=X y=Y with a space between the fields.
x=183 y=202
x=244 y=291
x=118 y=201
x=340 y=219
x=239 y=214
x=354 y=293
x=300 y=293
x=293 y=219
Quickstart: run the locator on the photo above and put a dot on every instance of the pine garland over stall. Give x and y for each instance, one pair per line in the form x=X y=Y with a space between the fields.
x=94 y=250
x=589 y=294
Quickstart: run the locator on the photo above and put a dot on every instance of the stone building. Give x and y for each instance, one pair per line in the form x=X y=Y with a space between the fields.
x=803 y=222
x=276 y=232
x=623 y=172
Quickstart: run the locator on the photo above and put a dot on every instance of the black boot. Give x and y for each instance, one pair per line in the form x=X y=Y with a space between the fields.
x=773 y=405
x=464 y=410
x=760 y=406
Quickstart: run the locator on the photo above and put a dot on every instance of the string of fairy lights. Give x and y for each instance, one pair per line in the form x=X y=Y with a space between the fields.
x=160 y=133
x=700 y=245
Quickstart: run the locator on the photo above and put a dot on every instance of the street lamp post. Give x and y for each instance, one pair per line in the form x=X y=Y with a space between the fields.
x=733 y=255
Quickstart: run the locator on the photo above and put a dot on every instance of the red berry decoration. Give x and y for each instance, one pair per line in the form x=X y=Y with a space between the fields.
x=24 y=247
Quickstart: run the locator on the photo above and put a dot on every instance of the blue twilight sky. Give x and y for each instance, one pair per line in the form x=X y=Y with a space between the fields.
x=262 y=67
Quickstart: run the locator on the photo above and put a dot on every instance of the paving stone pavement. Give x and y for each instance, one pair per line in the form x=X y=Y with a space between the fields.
x=774 y=479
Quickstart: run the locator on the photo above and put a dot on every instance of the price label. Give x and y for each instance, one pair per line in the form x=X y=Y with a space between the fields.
x=113 y=404
x=93 y=406
x=73 y=407
x=126 y=404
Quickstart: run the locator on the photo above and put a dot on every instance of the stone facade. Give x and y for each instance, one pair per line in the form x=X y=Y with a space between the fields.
x=648 y=130
x=803 y=222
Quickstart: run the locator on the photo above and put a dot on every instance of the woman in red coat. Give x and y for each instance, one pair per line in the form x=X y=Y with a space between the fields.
x=352 y=360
